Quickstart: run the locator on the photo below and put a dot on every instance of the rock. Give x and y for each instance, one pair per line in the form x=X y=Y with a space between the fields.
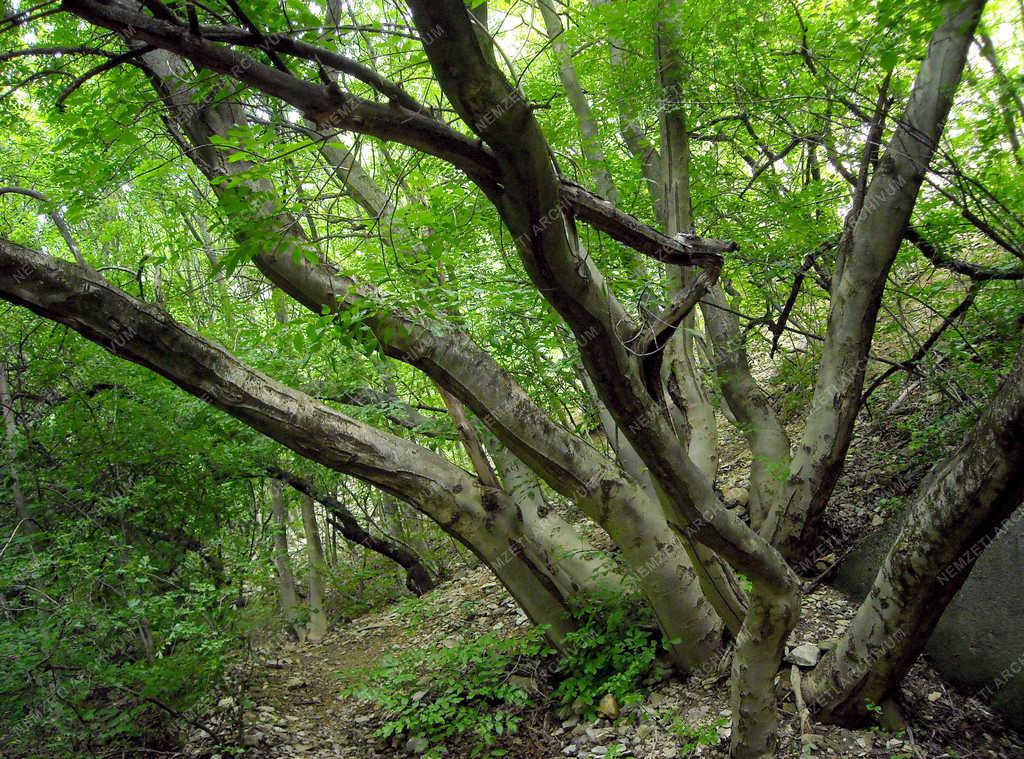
x=696 y=714
x=571 y=750
x=877 y=520
x=658 y=699
x=829 y=644
x=571 y=723
x=737 y=496
x=294 y=682
x=934 y=696
x=804 y=655
x=528 y=684
x=417 y=745
x=226 y=703
x=594 y=735
x=608 y=707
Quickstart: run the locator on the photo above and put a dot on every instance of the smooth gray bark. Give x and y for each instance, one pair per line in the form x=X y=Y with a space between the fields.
x=566 y=463
x=872 y=237
x=954 y=515
x=482 y=519
x=282 y=560
x=315 y=572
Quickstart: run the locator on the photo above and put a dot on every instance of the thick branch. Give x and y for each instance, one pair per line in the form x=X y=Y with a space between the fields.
x=867 y=249
x=418 y=578
x=944 y=261
x=332 y=109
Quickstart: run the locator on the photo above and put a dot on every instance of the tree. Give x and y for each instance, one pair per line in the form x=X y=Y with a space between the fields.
x=649 y=375
x=282 y=560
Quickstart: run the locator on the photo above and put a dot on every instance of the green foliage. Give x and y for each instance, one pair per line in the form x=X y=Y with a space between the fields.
x=438 y=695
x=98 y=656
x=150 y=536
x=694 y=737
x=931 y=438
x=120 y=613
x=795 y=375
x=892 y=503
x=612 y=650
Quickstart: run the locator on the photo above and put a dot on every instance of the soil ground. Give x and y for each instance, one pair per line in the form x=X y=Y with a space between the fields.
x=287 y=703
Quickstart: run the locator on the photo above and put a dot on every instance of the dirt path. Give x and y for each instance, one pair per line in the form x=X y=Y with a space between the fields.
x=298 y=711
x=288 y=703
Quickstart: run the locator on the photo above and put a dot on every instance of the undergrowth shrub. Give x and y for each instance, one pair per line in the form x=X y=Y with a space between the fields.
x=433 y=696
x=614 y=649
x=89 y=677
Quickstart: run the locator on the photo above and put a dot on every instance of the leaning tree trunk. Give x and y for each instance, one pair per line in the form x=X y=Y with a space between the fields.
x=873 y=233
x=485 y=521
x=28 y=525
x=955 y=514
x=579 y=567
x=680 y=556
x=566 y=463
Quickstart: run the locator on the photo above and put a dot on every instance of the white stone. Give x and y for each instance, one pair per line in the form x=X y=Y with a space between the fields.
x=804 y=655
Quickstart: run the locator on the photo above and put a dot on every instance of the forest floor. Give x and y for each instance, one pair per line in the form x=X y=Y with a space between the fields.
x=287 y=702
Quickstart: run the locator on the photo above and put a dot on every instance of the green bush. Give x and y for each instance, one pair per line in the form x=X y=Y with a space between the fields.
x=613 y=650
x=435 y=695
x=694 y=737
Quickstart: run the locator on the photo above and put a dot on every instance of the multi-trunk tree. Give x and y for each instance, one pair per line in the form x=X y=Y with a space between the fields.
x=651 y=338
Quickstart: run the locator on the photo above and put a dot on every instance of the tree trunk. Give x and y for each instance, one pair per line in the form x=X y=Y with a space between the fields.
x=759 y=647
x=579 y=567
x=873 y=233
x=453 y=361
x=753 y=414
x=27 y=523
x=391 y=517
x=955 y=514
x=285 y=579
x=317 y=566
x=717 y=581
x=485 y=521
